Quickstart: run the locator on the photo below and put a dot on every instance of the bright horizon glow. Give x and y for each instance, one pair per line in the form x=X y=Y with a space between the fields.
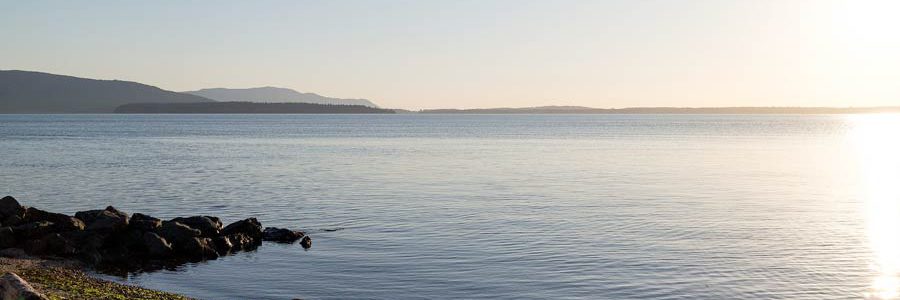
x=875 y=138
x=477 y=54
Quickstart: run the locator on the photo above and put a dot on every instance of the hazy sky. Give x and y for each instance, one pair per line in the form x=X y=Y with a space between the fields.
x=478 y=53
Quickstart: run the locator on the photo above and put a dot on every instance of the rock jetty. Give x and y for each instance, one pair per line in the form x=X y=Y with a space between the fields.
x=112 y=240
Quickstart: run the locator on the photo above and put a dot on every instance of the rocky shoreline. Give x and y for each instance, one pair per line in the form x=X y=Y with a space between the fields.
x=113 y=241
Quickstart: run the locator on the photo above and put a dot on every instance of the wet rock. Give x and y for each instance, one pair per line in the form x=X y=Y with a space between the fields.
x=281 y=235
x=157 y=246
x=14 y=287
x=111 y=240
x=90 y=257
x=88 y=216
x=223 y=245
x=208 y=226
x=12 y=221
x=144 y=222
x=7 y=238
x=61 y=222
x=10 y=207
x=109 y=219
x=130 y=238
x=51 y=244
x=197 y=249
x=33 y=230
x=250 y=227
x=242 y=242
x=176 y=232
x=13 y=253
x=306 y=242
x=117 y=256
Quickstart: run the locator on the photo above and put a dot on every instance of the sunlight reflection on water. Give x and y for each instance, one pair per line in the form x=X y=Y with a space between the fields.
x=878 y=146
x=494 y=206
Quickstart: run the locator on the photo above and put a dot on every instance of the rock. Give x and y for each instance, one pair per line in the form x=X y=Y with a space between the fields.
x=14 y=287
x=51 y=244
x=243 y=242
x=90 y=257
x=13 y=253
x=197 y=249
x=144 y=222
x=88 y=216
x=33 y=230
x=109 y=219
x=12 y=221
x=130 y=238
x=88 y=244
x=249 y=227
x=7 y=238
x=157 y=246
x=176 y=232
x=61 y=222
x=208 y=226
x=223 y=245
x=67 y=223
x=10 y=207
x=306 y=242
x=281 y=235
x=35 y=247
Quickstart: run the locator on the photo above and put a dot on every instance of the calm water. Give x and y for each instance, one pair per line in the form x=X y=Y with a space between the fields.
x=494 y=206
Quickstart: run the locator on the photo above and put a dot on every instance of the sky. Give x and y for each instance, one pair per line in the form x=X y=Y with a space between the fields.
x=477 y=53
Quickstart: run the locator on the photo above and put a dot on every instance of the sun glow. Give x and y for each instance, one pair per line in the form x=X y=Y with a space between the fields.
x=877 y=141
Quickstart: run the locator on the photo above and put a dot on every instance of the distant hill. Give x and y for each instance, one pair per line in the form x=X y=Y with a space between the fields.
x=665 y=110
x=36 y=92
x=273 y=95
x=247 y=108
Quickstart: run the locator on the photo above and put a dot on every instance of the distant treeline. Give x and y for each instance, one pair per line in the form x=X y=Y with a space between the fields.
x=246 y=108
x=667 y=110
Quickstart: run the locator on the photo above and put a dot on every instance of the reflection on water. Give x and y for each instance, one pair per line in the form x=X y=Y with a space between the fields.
x=667 y=207
x=878 y=146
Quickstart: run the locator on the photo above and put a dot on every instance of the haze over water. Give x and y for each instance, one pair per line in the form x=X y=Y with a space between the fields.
x=495 y=206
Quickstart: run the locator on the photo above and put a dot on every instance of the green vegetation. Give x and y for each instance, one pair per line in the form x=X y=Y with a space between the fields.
x=67 y=283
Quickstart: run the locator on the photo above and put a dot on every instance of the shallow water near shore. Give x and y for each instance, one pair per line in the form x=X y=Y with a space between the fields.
x=494 y=206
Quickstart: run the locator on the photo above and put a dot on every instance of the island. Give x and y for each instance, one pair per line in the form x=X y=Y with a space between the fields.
x=246 y=108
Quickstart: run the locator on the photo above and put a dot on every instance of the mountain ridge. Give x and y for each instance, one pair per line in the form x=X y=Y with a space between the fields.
x=40 y=92
x=270 y=94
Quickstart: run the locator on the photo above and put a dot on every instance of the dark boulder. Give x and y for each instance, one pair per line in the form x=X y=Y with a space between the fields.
x=10 y=207
x=223 y=245
x=7 y=238
x=90 y=256
x=51 y=244
x=242 y=242
x=157 y=246
x=117 y=256
x=176 y=232
x=109 y=219
x=250 y=227
x=306 y=242
x=130 y=238
x=281 y=235
x=33 y=230
x=88 y=216
x=87 y=239
x=208 y=226
x=197 y=249
x=144 y=222
x=12 y=221
x=61 y=222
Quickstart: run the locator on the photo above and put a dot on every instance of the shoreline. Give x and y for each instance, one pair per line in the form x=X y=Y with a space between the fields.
x=60 y=278
x=53 y=250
